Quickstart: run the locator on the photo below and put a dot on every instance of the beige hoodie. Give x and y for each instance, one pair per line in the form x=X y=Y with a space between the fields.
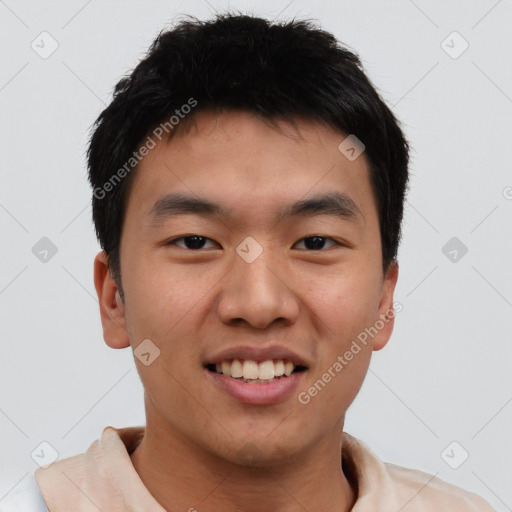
x=104 y=478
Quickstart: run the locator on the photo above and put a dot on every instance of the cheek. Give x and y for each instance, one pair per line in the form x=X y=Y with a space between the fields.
x=344 y=308
x=166 y=306
x=161 y=298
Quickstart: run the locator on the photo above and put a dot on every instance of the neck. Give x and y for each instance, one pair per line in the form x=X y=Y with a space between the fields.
x=181 y=475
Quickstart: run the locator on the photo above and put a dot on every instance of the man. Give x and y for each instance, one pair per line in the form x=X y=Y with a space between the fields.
x=248 y=187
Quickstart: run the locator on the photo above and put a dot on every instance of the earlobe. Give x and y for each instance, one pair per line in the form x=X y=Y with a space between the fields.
x=112 y=310
x=386 y=314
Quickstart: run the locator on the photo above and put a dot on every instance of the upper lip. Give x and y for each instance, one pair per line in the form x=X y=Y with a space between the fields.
x=258 y=354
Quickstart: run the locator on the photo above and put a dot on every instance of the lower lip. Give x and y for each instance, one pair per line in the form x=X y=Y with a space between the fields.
x=257 y=394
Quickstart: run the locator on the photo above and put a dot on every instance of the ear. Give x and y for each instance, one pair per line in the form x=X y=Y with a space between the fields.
x=112 y=309
x=386 y=313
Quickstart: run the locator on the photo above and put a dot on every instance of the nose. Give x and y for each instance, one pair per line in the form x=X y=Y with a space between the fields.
x=258 y=293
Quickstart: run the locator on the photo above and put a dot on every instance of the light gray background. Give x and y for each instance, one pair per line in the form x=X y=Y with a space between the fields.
x=445 y=375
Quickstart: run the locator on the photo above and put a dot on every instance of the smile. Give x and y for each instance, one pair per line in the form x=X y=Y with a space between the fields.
x=250 y=382
x=253 y=372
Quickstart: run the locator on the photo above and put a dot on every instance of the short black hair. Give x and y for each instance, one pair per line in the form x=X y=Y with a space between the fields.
x=275 y=70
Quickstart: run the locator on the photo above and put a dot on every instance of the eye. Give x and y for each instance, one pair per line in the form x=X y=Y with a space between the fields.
x=196 y=242
x=316 y=242
x=192 y=242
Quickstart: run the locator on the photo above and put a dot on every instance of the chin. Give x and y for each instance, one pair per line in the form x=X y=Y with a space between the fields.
x=258 y=451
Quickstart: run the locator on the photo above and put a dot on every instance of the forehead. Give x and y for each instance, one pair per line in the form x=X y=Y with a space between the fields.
x=250 y=165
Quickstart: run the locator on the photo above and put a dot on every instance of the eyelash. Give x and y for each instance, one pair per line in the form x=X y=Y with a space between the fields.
x=174 y=240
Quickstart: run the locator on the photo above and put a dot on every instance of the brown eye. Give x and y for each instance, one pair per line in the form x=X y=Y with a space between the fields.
x=192 y=242
x=316 y=242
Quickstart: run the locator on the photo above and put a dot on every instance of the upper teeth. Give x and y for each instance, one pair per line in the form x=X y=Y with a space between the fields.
x=249 y=369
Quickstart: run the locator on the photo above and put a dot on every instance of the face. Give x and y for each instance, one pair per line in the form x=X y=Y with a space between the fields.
x=258 y=243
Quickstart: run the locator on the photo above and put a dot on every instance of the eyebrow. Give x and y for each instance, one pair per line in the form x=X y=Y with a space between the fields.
x=337 y=204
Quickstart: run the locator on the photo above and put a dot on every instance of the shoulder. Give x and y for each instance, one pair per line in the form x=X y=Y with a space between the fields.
x=421 y=491
x=26 y=496
x=388 y=488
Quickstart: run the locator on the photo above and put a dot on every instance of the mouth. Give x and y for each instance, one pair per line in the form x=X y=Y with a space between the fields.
x=264 y=375
x=268 y=382
x=253 y=372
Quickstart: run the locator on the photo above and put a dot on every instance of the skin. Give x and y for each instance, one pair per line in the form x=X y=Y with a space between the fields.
x=194 y=303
